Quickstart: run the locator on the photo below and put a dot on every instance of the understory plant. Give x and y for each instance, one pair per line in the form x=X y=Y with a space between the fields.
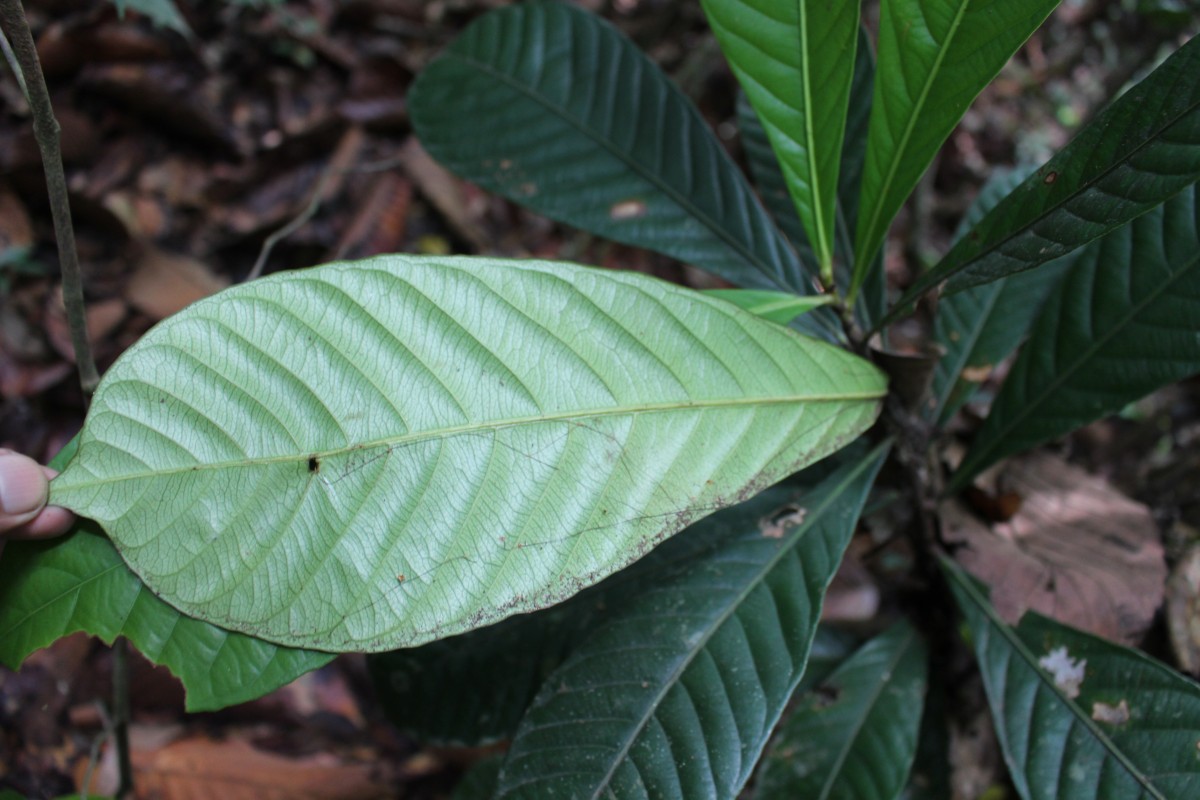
x=595 y=514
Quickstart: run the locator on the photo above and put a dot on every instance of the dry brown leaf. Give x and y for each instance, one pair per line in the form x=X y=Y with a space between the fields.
x=1183 y=610
x=103 y=317
x=445 y=192
x=23 y=379
x=16 y=230
x=163 y=283
x=200 y=768
x=1077 y=551
x=380 y=223
x=853 y=595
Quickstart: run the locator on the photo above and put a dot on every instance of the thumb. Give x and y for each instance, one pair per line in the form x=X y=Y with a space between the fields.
x=23 y=489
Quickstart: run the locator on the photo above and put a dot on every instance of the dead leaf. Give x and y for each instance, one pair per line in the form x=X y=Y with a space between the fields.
x=16 y=230
x=381 y=221
x=1077 y=551
x=195 y=768
x=167 y=96
x=103 y=317
x=1183 y=610
x=164 y=283
x=23 y=379
x=852 y=596
x=445 y=192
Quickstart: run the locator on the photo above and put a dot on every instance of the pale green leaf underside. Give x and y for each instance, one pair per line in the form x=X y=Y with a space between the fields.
x=779 y=307
x=674 y=696
x=49 y=589
x=795 y=61
x=935 y=56
x=1130 y=731
x=855 y=735
x=373 y=455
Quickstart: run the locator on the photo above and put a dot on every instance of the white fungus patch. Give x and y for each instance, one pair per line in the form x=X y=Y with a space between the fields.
x=1066 y=671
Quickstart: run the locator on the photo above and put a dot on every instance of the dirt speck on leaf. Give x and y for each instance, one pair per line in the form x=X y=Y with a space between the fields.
x=977 y=374
x=1113 y=715
x=627 y=209
x=774 y=526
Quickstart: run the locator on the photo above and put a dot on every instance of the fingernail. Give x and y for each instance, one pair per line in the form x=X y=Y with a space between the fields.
x=22 y=484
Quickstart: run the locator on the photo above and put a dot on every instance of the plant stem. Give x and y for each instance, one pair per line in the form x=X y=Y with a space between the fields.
x=47 y=132
x=120 y=652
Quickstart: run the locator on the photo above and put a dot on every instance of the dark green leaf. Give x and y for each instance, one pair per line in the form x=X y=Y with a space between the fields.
x=982 y=326
x=364 y=456
x=1119 y=325
x=49 y=589
x=935 y=56
x=929 y=778
x=1078 y=717
x=795 y=62
x=1142 y=149
x=480 y=781
x=161 y=12
x=855 y=734
x=676 y=695
x=576 y=123
x=420 y=688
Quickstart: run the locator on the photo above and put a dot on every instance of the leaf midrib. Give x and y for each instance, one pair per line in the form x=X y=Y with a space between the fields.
x=851 y=740
x=963 y=267
x=1014 y=641
x=823 y=250
x=478 y=427
x=909 y=127
x=735 y=603
x=967 y=351
x=74 y=589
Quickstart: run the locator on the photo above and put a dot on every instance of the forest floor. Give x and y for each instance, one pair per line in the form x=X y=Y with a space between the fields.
x=187 y=156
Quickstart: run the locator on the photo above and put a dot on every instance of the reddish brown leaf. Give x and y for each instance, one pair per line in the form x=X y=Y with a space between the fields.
x=1077 y=551
x=380 y=222
x=164 y=283
x=1183 y=610
x=196 y=768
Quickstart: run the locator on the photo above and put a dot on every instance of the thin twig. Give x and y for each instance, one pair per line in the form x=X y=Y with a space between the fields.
x=11 y=58
x=287 y=230
x=120 y=651
x=47 y=132
x=313 y=206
